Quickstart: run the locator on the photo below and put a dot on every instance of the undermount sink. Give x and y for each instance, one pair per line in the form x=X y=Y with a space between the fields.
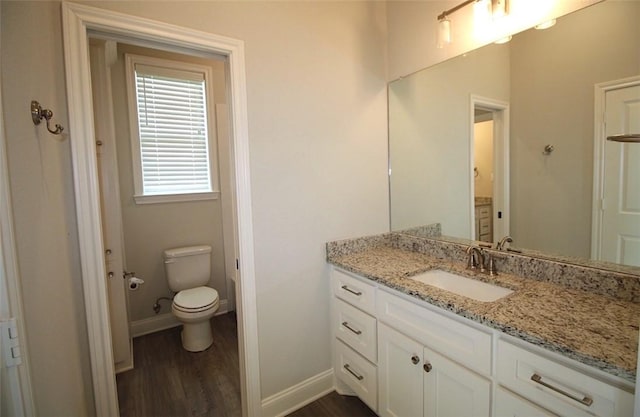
x=466 y=287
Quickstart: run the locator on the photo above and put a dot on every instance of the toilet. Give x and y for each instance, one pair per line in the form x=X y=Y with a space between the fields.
x=188 y=271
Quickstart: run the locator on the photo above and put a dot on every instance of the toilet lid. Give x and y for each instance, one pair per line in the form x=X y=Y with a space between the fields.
x=196 y=298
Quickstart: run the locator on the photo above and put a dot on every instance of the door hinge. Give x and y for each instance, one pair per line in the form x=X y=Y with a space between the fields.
x=237 y=264
x=10 y=342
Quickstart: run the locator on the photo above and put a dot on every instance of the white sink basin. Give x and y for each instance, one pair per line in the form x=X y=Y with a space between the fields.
x=466 y=287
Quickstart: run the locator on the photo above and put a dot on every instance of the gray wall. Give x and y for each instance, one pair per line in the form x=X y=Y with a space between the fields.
x=429 y=117
x=553 y=73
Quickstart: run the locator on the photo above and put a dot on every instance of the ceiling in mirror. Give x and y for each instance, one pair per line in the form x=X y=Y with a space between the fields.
x=547 y=79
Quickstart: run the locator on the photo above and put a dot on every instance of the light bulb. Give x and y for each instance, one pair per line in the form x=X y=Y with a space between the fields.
x=444 y=33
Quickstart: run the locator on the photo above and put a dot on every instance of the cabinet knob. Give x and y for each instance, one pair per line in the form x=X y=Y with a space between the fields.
x=415 y=359
x=427 y=367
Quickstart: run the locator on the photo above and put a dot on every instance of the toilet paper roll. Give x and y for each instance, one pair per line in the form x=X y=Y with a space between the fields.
x=134 y=283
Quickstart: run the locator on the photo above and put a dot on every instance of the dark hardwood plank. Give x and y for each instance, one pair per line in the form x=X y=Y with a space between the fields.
x=335 y=405
x=169 y=381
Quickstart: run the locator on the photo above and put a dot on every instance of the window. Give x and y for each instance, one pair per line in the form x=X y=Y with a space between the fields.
x=170 y=130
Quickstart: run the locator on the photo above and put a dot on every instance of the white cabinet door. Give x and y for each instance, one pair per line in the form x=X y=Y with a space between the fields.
x=450 y=390
x=509 y=404
x=399 y=374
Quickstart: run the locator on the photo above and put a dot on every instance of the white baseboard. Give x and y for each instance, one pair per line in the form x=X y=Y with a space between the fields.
x=299 y=395
x=163 y=322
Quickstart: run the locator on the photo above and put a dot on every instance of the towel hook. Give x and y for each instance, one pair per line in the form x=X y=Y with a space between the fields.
x=38 y=113
x=547 y=150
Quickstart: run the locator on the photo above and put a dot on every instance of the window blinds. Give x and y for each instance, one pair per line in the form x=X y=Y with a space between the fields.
x=172 y=124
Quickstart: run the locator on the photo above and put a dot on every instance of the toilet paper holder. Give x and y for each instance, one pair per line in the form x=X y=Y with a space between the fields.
x=134 y=281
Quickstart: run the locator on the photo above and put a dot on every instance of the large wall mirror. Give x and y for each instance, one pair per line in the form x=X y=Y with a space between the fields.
x=504 y=139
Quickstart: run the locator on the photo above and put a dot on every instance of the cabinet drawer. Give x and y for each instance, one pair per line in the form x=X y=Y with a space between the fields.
x=559 y=388
x=356 y=329
x=460 y=342
x=483 y=212
x=511 y=405
x=354 y=291
x=486 y=222
x=355 y=371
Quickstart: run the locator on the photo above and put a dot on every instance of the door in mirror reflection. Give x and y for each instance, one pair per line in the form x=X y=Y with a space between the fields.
x=621 y=192
x=483 y=175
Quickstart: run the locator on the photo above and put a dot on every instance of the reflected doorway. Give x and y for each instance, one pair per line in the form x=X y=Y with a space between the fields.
x=483 y=174
x=489 y=168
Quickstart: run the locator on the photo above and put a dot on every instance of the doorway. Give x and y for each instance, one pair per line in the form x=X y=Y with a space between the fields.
x=489 y=159
x=79 y=22
x=616 y=204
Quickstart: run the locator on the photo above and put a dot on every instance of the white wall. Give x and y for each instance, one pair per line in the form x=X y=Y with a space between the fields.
x=43 y=206
x=317 y=125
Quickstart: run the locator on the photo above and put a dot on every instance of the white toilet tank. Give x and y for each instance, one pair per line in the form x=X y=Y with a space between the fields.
x=187 y=267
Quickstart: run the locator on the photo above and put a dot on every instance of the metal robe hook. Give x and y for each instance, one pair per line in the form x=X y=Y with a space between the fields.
x=38 y=113
x=547 y=150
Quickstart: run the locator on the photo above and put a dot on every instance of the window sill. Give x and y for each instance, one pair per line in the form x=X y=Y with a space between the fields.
x=175 y=198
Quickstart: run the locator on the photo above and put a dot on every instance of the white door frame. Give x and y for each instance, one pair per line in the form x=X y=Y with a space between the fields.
x=78 y=21
x=500 y=110
x=599 y=140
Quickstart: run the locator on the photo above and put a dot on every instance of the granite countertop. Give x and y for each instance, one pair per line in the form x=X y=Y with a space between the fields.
x=597 y=330
x=483 y=201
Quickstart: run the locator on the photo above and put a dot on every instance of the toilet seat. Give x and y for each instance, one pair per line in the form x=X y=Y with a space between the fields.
x=195 y=300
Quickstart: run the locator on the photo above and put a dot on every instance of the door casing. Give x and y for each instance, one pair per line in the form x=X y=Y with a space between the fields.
x=500 y=110
x=599 y=140
x=78 y=22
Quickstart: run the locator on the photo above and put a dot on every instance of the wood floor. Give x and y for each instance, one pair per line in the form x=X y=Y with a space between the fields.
x=169 y=381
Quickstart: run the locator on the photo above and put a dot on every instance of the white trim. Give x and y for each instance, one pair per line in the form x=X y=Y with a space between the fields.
x=78 y=21
x=153 y=324
x=636 y=402
x=165 y=321
x=293 y=398
x=501 y=196
x=600 y=92
x=175 y=198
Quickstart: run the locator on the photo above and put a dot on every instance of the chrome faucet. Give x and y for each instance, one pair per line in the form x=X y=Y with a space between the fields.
x=475 y=258
x=502 y=242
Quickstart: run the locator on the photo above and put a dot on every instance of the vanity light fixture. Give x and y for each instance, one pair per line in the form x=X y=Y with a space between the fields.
x=499 y=8
x=546 y=25
x=503 y=40
x=496 y=8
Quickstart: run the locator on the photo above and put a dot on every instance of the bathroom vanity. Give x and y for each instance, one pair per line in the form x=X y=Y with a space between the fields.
x=561 y=345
